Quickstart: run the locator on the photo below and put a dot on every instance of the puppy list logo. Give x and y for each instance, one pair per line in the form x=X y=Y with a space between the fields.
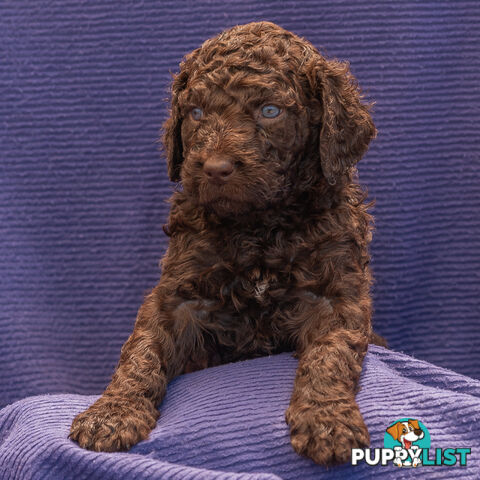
x=407 y=444
x=407 y=438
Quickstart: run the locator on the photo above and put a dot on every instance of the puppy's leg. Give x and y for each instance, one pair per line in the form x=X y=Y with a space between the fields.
x=324 y=419
x=126 y=412
x=325 y=422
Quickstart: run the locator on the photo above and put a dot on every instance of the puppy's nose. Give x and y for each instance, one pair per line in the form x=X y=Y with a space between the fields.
x=218 y=168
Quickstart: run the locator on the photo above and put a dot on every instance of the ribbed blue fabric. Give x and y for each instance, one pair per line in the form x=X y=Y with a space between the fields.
x=228 y=423
x=82 y=201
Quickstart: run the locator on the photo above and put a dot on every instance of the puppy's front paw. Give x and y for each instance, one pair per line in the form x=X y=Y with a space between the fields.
x=114 y=423
x=326 y=432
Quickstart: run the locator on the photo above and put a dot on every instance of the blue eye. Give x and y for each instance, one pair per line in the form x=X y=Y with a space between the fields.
x=197 y=113
x=270 y=111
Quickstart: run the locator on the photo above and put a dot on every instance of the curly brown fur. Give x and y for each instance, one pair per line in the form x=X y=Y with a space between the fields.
x=269 y=235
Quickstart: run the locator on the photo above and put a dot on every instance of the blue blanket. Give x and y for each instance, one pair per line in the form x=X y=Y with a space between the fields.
x=83 y=188
x=228 y=423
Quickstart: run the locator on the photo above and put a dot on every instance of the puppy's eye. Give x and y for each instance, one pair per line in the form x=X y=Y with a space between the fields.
x=270 y=111
x=196 y=113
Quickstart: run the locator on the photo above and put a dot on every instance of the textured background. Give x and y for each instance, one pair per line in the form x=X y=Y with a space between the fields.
x=83 y=187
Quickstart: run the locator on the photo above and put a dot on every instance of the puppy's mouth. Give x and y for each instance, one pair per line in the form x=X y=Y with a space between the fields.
x=225 y=197
x=225 y=206
x=236 y=196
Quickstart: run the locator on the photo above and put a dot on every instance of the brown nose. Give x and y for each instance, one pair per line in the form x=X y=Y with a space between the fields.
x=218 y=169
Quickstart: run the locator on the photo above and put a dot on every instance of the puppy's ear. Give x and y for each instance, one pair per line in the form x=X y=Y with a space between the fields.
x=172 y=136
x=395 y=430
x=346 y=126
x=415 y=424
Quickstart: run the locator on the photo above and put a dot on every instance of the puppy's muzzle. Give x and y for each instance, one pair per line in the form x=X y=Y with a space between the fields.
x=218 y=169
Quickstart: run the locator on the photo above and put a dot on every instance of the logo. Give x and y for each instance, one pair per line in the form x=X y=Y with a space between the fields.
x=407 y=444
x=407 y=437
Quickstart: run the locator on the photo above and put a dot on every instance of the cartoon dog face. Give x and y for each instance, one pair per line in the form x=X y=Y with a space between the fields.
x=406 y=432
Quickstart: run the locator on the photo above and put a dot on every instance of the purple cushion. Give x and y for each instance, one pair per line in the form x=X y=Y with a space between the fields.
x=83 y=188
x=228 y=423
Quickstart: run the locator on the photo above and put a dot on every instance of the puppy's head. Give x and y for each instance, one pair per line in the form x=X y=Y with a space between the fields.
x=258 y=114
x=409 y=430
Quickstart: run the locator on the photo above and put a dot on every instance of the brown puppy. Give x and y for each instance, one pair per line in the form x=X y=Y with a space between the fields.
x=269 y=235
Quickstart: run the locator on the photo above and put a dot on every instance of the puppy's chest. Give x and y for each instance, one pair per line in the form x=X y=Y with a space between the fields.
x=257 y=284
x=261 y=275
x=251 y=295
